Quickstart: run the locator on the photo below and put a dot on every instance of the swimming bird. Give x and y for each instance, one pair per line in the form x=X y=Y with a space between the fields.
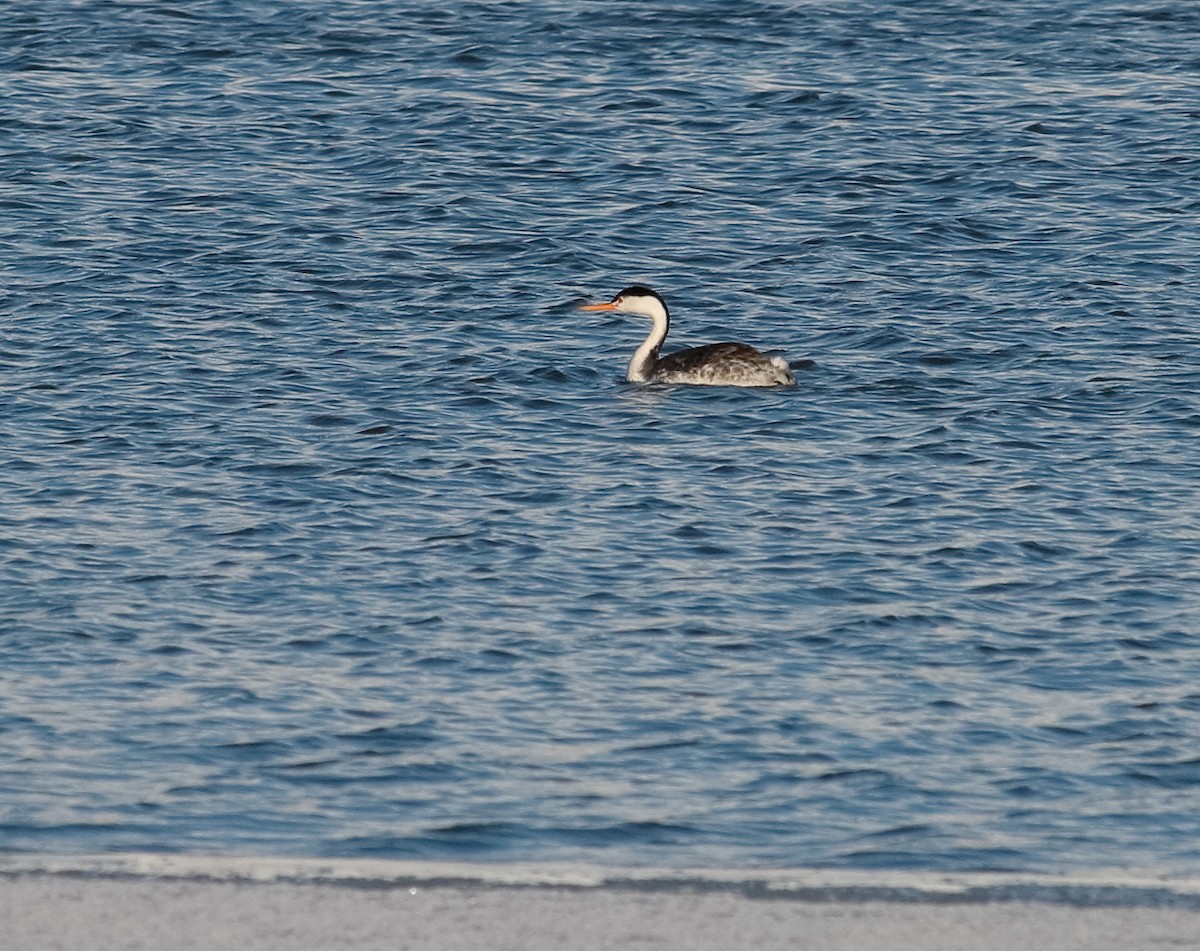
x=716 y=364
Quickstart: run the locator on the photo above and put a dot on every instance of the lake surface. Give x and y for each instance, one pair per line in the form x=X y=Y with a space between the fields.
x=330 y=527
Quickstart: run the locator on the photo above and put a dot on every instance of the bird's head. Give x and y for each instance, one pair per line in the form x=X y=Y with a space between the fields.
x=635 y=299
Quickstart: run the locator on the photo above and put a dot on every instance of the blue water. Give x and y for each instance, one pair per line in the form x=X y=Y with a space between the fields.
x=328 y=526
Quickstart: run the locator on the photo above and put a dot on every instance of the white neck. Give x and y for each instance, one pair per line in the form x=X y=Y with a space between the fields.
x=642 y=365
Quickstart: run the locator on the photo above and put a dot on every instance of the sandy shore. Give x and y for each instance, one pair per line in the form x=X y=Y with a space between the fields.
x=181 y=903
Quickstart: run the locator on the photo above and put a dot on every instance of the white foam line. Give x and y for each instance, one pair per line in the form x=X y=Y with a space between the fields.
x=384 y=872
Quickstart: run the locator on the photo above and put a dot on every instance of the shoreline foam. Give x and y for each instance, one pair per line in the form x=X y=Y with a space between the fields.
x=1114 y=888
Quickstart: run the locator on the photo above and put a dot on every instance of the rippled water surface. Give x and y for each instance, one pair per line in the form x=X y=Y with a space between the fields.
x=329 y=526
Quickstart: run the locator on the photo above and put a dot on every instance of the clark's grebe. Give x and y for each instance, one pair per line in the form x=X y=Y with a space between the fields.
x=717 y=364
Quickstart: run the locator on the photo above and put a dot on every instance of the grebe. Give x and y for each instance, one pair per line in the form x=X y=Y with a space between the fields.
x=717 y=364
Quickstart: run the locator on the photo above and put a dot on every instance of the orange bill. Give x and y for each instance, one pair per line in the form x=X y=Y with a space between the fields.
x=609 y=306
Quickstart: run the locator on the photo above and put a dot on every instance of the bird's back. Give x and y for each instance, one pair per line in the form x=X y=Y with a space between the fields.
x=723 y=364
